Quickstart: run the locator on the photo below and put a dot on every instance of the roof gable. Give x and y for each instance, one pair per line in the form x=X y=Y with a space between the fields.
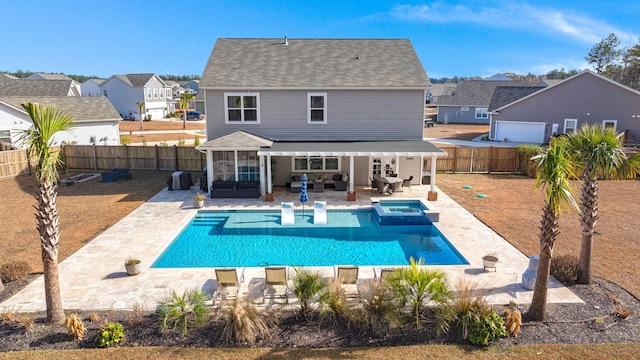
x=476 y=92
x=81 y=108
x=237 y=140
x=24 y=87
x=570 y=81
x=313 y=63
x=503 y=95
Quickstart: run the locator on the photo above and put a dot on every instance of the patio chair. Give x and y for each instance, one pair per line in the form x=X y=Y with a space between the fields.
x=277 y=283
x=381 y=273
x=229 y=280
x=374 y=184
x=347 y=277
x=382 y=186
x=319 y=212
x=407 y=182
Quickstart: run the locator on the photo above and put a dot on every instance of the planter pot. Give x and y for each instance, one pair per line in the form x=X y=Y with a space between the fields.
x=489 y=262
x=198 y=204
x=529 y=276
x=133 y=269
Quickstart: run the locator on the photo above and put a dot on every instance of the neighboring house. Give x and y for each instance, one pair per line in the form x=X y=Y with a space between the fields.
x=24 y=87
x=438 y=90
x=124 y=91
x=470 y=102
x=549 y=82
x=281 y=108
x=193 y=85
x=91 y=87
x=8 y=76
x=76 y=89
x=95 y=121
x=585 y=98
x=199 y=101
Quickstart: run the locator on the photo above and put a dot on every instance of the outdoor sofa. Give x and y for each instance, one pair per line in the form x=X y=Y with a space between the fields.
x=235 y=189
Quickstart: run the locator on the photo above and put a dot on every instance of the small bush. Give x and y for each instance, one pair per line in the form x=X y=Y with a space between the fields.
x=196 y=140
x=461 y=312
x=18 y=322
x=564 y=268
x=75 y=326
x=110 y=334
x=181 y=141
x=489 y=329
x=244 y=322
x=136 y=316
x=306 y=285
x=164 y=143
x=525 y=153
x=514 y=321
x=144 y=141
x=186 y=311
x=125 y=140
x=14 y=270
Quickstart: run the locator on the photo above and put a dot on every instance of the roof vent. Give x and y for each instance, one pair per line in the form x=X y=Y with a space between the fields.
x=357 y=56
x=286 y=42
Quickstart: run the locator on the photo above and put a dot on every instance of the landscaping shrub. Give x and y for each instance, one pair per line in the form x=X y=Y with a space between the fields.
x=18 y=322
x=110 y=334
x=75 y=326
x=196 y=140
x=244 y=322
x=14 y=270
x=416 y=285
x=525 y=153
x=181 y=141
x=306 y=285
x=461 y=312
x=488 y=329
x=564 y=268
x=125 y=140
x=187 y=310
x=378 y=315
x=164 y=143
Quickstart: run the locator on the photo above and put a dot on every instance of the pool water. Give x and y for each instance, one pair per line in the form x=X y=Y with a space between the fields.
x=256 y=238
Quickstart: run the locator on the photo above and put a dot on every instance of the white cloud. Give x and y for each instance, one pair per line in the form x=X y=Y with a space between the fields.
x=511 y=15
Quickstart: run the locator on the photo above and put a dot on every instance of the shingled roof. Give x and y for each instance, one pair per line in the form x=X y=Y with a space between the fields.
x=24 y=87
x=313 y=63
x=476 y=92
x=81 y=108
x=503 y=95
x=48 y=76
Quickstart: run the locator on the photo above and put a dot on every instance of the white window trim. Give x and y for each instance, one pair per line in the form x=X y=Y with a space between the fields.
x=614 y=122
x=565 y=125
x=485 y=113
x=464 y=108
x=324 y=164
x=242 y=120
x=155 y=93
x=324 y=110
x=149 y=96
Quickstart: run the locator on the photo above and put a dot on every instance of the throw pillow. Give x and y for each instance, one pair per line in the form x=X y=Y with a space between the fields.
x=345 y=177
x=337 y=177
x=296 y=178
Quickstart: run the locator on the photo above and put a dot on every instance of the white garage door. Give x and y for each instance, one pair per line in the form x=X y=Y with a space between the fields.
x=516 y=131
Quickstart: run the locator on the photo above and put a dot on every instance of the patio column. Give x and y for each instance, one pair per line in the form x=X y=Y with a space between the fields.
x=269 y=192
x=433 y=195
x=351 y=196
x=262 y=172
x=235 y=164
x=209 y=170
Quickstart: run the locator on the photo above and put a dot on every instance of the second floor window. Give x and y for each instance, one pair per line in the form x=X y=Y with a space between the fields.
x=481 y=113
x=316 y=108
x=148 y=93
x=155 y=93
x=243 y=107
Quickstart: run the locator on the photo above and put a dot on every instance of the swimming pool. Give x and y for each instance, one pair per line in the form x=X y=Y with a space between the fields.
x=256 y=238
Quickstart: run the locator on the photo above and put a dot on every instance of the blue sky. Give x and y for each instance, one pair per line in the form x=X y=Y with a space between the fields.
x=464 y=38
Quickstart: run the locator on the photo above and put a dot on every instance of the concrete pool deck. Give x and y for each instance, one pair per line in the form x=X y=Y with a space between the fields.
x=94 y=278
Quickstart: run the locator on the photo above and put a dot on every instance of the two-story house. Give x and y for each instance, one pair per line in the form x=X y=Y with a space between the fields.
x=469 y=104
x=282 y=107
x=91 y=87
x=565 y=106
x=124 y=91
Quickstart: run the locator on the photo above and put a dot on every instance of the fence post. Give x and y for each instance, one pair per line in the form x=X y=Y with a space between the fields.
x=455 y=162
x=175 y=157
x=126 y=156
x=157 y=158
x=95 y=158
x=490 y=158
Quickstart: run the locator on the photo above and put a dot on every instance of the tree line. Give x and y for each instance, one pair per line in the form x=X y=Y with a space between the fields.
x=82 y=78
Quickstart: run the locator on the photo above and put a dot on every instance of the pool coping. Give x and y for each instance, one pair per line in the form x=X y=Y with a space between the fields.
x=94 y=278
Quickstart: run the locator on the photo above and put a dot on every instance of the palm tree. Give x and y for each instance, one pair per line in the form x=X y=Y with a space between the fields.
x=554 y=170
x=47 y=121
x=140 y=106
x=596 y=150
x=185 y=100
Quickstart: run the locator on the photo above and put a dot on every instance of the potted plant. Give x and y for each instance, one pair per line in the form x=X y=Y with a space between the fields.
x=198 y=200
x=132 y=265
x=489 y=261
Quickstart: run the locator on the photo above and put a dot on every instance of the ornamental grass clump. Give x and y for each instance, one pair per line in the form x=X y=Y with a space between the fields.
x=378 y=315
x=244 y=322
x=333 y=304
x=75 y=326
x=185 y=311
x=455 y=317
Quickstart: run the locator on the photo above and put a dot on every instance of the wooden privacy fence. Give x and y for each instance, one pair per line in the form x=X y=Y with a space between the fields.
x=467 y=159
x=133 y=157
x=13 y=163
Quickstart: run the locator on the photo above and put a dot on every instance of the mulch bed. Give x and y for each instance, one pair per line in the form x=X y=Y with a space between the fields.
x=595 y=321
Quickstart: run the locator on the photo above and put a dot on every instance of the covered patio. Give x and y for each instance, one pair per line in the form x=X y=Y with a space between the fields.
x=241 y=156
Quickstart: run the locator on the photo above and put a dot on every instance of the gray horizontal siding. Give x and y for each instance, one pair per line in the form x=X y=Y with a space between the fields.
x=351 y=115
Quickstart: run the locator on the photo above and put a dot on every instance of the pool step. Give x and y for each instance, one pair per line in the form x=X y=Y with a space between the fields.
x=207 y=220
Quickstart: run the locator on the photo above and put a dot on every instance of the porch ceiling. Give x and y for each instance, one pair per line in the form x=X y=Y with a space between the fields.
x=356 y=148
